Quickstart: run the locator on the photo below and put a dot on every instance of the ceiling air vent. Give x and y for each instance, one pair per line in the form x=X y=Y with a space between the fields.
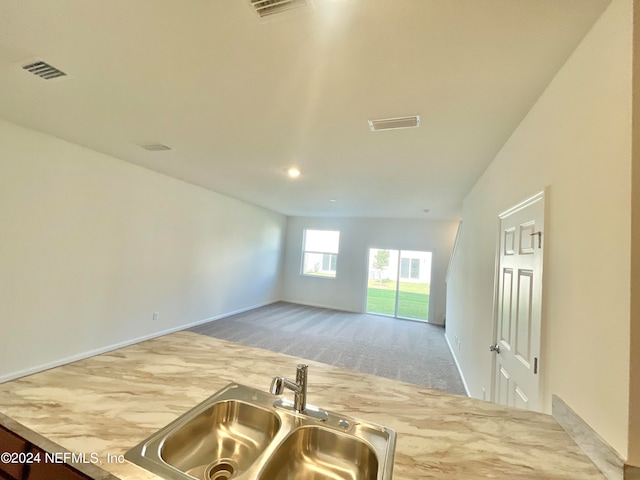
x=266 y=8
x=394 y=123
x=156 y=147
x=44 y=70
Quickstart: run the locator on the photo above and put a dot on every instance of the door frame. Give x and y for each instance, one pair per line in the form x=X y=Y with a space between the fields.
x=544 y=197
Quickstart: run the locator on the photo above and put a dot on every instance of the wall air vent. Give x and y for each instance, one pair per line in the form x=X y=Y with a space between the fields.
x=266 y=8
x=394 y=123
x=44 y=70
x=156 y=147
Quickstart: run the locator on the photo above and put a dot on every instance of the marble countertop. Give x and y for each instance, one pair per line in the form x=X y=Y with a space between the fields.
x=108 y=403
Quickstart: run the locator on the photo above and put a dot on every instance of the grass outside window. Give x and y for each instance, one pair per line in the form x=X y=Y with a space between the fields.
x=413 y=299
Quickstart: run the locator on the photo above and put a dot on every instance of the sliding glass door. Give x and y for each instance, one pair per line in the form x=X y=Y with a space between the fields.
x=398 y=283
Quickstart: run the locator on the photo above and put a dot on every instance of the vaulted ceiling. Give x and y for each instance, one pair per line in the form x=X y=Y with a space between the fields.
x=240 y=99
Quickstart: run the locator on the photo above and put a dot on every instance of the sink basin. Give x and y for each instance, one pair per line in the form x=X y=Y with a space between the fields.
x=241 y=433
x=222 y=441
x=310 y=453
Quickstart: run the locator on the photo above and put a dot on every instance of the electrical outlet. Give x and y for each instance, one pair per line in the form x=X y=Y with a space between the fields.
x=156 y=315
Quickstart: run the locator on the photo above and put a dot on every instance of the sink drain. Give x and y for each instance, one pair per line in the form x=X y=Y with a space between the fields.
x=223 y=469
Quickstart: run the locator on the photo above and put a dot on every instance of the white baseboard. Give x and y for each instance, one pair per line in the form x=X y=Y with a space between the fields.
x=115 y=346
x=455 y=359
x=603 y=455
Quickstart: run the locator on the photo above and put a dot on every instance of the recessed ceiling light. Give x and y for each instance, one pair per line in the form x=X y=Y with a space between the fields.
x=293 y=172
x=332 y=199
x=426 y=210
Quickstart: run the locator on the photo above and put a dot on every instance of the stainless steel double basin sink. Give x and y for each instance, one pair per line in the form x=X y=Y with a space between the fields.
x=242 y=433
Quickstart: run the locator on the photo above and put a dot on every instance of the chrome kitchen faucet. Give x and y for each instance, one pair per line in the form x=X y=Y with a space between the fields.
x=299 y=388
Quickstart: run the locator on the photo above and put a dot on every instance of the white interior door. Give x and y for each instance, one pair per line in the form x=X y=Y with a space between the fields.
x=519 y=306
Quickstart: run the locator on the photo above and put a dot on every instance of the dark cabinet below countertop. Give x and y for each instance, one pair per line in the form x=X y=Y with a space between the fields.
x=23 y=460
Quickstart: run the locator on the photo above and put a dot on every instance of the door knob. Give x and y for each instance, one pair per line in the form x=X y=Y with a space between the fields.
x=494 y=348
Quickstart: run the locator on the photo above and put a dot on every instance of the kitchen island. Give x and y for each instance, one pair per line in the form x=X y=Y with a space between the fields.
x=104 y=405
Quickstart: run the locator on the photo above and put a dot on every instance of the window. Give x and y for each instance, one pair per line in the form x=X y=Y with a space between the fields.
x=399 y=283
x=320 y=253
x=409 y=268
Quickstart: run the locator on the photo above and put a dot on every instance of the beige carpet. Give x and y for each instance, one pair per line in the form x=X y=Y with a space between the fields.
x=413 y=352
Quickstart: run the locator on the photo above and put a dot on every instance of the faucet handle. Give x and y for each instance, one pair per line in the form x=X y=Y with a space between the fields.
x=277 y=386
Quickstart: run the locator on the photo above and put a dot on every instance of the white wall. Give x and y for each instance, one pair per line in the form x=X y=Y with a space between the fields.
x=348 y=290
x=576 y=140
x=91 y=246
